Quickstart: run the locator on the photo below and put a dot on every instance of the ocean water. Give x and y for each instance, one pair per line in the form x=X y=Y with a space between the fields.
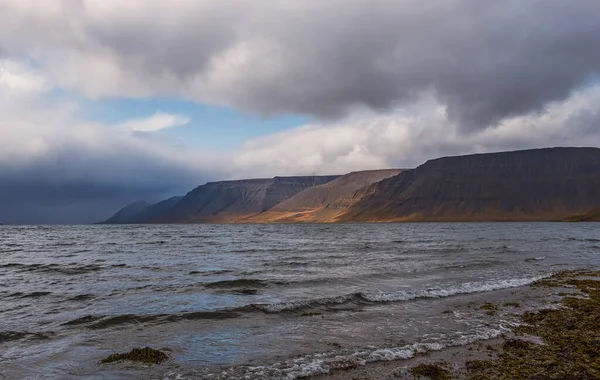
x=262 y=301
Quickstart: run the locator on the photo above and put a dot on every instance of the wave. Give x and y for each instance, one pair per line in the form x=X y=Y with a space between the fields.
x=242 y=283
x=95 y=322
x=54 y=268
x=35 y=294
x=324 y=362
x=584 y=239
x=211 y=272
x=82 y=297
x=290 y=264
x=317 y=364
x=539 y=258
x=259 y=250
x=359 y=298
x=11 y=250
x=398 y=296
x=465 y=288
x=479 y=264
x=9 y=336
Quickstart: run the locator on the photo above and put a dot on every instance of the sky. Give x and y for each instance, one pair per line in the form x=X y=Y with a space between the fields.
x=106 y=102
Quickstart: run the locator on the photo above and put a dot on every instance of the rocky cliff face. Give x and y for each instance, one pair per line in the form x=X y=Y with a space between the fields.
x=541 y=184
x=325 y=202
x=231 y=200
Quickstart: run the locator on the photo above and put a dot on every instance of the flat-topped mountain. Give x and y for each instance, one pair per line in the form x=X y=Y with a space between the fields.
x=231 y=200
x=539 y=184
x=325 y=202
x=549 y=184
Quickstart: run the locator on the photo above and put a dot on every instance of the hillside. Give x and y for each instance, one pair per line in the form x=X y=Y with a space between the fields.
x=231 y=200
x=590 y=216
x=541 y=184
x=325 y=202
x=127 y=214
x=551 y=184
x=141 y=212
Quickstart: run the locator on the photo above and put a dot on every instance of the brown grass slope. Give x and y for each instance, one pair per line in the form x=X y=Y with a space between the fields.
x=529 y=185
x=323 y=203
x=590 y=216
x=227 y=201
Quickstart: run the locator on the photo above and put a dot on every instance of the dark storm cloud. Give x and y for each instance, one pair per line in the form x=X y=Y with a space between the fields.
x=71 y=186
x=486 y=60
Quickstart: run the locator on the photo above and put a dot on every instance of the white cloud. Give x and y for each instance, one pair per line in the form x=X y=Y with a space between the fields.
x=17 y=79
x=154 y=123
x=409 y=137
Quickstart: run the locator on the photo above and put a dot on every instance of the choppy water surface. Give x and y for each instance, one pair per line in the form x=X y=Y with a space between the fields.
x=261 y=301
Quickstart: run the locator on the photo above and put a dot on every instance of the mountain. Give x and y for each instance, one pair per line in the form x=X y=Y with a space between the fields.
x=550 y=184
x=323 y=203
x=530 y=185
x=127 y=214
x=229 y=201
x=141 y=212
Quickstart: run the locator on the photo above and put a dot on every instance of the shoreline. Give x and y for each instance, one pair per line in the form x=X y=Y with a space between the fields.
x=532 y=350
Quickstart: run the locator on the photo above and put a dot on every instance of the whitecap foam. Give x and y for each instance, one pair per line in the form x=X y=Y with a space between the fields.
x=324 y=362
x=465 y=288
x=295 y=305
x=399 y=296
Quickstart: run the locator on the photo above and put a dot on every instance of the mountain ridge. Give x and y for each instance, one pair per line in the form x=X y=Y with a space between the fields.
x=227 y=201
x=547 y=184
x=535 y=184
x=325 y=202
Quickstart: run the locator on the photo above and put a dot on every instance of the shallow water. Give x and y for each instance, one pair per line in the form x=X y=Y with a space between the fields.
x=261 y=301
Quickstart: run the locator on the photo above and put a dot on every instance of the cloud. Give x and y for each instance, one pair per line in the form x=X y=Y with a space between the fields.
x=389 y=83
x=406 y=138
x=485 y=61
x=154 y=123
x=58 y=167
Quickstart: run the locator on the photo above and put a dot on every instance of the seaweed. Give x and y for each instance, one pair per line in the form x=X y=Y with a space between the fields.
x=490 y=309
x=570 y=336
x=430 y=371
x=311 y=314
x=143 y=355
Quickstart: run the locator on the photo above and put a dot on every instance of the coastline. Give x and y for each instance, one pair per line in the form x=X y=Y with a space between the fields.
x=535 y=348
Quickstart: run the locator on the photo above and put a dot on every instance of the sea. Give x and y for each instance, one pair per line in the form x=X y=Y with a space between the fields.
x=264 y=301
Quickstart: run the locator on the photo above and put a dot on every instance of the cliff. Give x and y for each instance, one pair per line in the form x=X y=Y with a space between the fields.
x=530 y=185
x=551 y=184
x=228 y=201
x=323 y=203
